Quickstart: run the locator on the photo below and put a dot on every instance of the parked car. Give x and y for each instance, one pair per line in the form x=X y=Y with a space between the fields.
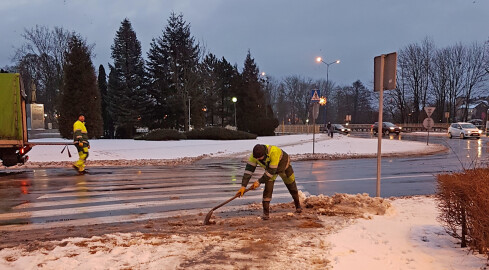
x=464 y=130
x=341 y=129
x=387 y=128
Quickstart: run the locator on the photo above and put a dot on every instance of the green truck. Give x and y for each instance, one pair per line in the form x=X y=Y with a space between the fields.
x=13 y=126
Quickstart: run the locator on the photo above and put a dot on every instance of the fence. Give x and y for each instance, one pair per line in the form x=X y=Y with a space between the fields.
x=296 y=129
x=409 y=127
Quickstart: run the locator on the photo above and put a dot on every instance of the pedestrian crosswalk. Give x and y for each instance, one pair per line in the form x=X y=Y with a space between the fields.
x=128 y=195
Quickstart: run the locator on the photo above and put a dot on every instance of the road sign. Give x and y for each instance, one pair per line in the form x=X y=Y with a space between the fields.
x=429 y=110
x=428 y=123
x=385 y=67
x=315 y=95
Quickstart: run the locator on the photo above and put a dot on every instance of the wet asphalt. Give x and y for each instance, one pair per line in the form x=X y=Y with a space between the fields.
x=58 y=197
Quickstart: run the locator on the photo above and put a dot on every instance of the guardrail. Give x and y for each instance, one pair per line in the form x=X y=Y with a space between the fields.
x=299 y=129
x=296 y=129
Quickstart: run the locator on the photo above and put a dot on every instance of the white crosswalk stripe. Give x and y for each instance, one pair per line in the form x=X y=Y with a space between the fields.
x=125 y=198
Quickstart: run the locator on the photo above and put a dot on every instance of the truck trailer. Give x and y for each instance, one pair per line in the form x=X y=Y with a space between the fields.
x=13 y=125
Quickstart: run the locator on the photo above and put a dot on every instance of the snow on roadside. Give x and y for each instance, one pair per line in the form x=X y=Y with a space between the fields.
x=406 y=236
x=120 y=152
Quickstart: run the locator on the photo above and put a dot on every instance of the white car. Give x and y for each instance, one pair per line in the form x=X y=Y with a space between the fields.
x=464 y=130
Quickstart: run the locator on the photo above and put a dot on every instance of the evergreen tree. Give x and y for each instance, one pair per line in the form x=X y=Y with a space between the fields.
x=251 y=106
x=173 y=67
x=228 y=83
x=210 y=86
x=102 y=86
x=79 y=92
x=129 y=102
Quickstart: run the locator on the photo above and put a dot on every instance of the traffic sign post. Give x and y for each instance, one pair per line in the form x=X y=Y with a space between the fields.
x=315 y=98
x=385 y=68
x=428 y=123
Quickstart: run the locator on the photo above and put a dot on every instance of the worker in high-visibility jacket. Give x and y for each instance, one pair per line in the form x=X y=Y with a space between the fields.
x=275 y=162
x=80 y=139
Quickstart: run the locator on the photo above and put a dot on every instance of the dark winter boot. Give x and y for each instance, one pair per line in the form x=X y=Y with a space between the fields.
x=295 y=195
x=266 y=210
x=297 y=203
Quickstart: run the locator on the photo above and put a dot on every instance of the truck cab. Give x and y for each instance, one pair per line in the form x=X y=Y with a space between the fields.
x=13 y=125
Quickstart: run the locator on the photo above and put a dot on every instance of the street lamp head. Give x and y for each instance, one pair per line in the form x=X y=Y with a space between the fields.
x=322 y=101
x=337 y=61
x=319 y=59
x=263 y=74
x=234 y=99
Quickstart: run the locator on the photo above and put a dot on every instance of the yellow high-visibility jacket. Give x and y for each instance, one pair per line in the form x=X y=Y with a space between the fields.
x=80 y=133
x=276 y=161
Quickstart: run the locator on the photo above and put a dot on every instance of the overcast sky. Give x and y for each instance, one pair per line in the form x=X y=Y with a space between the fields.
x=284 y=36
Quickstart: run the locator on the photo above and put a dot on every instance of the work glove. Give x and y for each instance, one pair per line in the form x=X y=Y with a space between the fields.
x=80 y=144
x=241 y=191
x=255 y=185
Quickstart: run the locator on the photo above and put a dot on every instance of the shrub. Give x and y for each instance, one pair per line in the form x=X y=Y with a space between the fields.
x=218 y=133
x=464 y=204
x=264 y=126
x=162 y=135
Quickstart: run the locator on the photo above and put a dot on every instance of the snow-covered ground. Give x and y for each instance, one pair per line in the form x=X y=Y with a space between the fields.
x=406 y=236
x=116 y=150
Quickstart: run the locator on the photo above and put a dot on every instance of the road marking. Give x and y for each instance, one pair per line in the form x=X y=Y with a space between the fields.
x=123 y=206
x=364 y=179
x=112 y=197
x=87 y=192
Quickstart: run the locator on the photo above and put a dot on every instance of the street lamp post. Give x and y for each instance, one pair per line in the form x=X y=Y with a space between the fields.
x=234 y=99
x=320 y=60
x=265 y=79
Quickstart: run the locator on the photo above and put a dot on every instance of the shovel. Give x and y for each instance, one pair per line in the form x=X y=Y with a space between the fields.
x=209 y=215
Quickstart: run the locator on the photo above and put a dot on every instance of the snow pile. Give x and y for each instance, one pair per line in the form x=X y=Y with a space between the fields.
x=341 y=204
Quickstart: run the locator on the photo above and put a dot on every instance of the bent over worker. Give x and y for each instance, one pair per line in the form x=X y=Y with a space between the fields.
x=275 y=162
x=80 y=139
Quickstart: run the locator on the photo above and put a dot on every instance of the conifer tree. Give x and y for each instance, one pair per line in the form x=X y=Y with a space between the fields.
x=129 y=102
x=80 y=93
x=173 y=66
x=102 y=86
x=251 y=106
x=228 y=82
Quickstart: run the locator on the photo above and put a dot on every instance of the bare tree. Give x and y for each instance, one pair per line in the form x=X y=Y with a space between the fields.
x=456 y=68
x=40 y=60
x=414 y=62
x=475 y=75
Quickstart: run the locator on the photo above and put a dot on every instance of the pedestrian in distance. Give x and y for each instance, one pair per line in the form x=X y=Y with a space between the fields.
x=276 y=162
x=80 y=139
x=330 y=129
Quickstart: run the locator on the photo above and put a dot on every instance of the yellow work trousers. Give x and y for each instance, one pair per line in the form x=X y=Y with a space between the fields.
x=82 y=154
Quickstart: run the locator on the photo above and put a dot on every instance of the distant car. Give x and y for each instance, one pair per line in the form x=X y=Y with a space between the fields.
x=341 y=129
x=387 y=128
x=479 y=123
x=464 y=130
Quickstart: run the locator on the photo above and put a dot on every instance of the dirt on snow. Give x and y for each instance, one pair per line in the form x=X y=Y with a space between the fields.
x=235 y=240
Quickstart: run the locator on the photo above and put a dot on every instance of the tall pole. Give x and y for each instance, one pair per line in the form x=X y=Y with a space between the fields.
x=380 y=125
x=327 y=87
x=189 y=113
x=234 y=100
